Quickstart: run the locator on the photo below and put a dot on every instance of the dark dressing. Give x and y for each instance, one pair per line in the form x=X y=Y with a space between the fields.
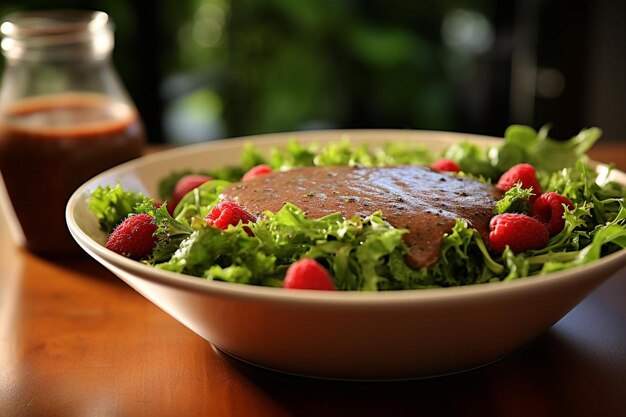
x=49 y=146
x=425 y=202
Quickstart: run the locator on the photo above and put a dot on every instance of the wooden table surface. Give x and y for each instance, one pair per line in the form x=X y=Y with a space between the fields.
x=76 y=341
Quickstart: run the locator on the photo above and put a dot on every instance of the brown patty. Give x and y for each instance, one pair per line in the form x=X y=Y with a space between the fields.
x=425 y=202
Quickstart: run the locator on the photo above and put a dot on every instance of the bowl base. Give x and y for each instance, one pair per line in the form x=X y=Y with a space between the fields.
x=257 y=366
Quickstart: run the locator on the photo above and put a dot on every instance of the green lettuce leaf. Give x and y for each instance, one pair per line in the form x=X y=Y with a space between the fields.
x=200 y=200
x=292 y=155
x=472 y=159
x=170 y=233
x=604 y=236
x=524 y=144
x=112 y=204
x=514 y=200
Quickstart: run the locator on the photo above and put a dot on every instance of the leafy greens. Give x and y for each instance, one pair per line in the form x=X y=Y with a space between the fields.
x=368 y=253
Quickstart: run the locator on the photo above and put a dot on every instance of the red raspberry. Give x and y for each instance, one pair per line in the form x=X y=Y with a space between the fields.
x=549 y=209
x=445 y=165
x=308 y=274
x=256 y=171
x=183 y=186
x=519 y=231
x=229 y=212
x=524 y=173
x=133 y=237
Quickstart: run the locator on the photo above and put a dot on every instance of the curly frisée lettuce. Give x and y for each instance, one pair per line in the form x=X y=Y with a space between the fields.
x=368 y=253
x=111 y=204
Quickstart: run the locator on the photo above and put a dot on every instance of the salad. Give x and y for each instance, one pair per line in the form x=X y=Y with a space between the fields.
x=554 y=212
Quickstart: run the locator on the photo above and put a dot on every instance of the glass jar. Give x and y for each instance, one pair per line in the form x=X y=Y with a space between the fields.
x=64 y=117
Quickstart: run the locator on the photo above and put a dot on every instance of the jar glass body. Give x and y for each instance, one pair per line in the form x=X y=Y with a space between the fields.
x=64 y=117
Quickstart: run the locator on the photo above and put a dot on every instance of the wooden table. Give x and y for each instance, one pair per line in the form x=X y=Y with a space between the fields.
x=76 y=341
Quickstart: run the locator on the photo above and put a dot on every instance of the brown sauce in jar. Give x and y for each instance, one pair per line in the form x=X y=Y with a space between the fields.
x=425 y=202
x=49 y=146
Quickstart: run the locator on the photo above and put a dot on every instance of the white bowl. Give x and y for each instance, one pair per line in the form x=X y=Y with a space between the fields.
x=353 y=335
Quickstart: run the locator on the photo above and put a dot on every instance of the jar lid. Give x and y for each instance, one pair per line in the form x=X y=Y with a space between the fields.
x=56 y=34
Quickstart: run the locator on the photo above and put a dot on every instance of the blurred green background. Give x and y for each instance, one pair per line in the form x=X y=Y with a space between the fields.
x=205 y=69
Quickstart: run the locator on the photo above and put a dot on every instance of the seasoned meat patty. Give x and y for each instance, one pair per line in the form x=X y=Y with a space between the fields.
x=425 y=202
